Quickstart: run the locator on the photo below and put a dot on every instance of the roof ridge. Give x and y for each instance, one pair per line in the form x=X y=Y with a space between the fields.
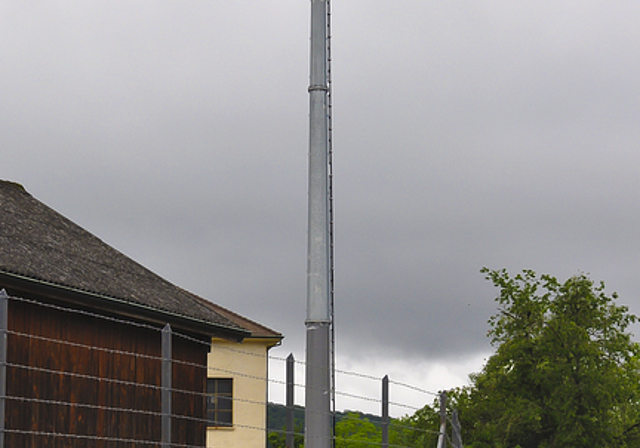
x=16 y=185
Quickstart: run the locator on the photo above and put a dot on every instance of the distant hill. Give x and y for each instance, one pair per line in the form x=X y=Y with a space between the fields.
x=277 y=416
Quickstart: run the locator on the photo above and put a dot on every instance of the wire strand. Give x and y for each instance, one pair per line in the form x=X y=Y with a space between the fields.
x=212 y=372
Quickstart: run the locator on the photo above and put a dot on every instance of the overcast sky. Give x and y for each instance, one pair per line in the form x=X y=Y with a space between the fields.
x=466 y=134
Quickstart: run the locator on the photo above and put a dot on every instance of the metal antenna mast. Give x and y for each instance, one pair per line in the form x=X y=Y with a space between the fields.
x=331 y=221
x=319 y=322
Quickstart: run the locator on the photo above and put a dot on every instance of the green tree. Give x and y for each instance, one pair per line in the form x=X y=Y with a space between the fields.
x=278 y=439
x=356 y=431
x=420 y=429
x=565 y=372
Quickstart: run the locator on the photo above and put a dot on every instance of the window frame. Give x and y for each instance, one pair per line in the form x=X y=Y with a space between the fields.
x=219 y=402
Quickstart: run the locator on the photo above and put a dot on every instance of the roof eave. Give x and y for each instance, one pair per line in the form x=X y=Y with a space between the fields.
x=120 y=307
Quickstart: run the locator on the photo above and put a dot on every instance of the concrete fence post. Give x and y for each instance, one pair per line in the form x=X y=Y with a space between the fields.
x=166 y=385
x=456 y=435
x=442 y=440
x=4 y=326
x=290 y=401
x=385 y=411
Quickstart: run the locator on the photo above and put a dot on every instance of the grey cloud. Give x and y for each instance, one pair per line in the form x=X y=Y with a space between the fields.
x=466 y=135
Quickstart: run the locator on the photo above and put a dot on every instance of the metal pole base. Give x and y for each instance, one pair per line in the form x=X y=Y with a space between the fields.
x=318 y=431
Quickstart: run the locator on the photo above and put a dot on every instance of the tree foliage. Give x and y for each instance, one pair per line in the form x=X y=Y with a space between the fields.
x=278 y=439
x=356 y=431
x=420 y=429
x=565 y=372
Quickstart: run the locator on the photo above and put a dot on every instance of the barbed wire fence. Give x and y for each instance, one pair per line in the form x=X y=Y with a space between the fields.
x=72 y=397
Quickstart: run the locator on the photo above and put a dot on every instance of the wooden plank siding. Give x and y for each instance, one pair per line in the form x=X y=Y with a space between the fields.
x=120 y=391
x=186 y=377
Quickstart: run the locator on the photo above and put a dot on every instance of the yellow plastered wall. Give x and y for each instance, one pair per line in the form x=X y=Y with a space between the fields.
x=246 y=363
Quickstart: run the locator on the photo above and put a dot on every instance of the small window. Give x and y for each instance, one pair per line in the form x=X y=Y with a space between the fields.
x=220 y=402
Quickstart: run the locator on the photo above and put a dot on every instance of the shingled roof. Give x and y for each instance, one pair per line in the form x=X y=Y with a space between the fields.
x=41 y=247
x=258 y=331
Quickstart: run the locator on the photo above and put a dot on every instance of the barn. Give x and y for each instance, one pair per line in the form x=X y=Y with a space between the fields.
x=95 y=349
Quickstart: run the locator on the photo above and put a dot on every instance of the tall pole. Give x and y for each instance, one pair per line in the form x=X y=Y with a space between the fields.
x=318 y=433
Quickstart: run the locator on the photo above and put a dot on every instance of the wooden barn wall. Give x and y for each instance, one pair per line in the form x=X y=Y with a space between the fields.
x=111 y=410
x=192 y=379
